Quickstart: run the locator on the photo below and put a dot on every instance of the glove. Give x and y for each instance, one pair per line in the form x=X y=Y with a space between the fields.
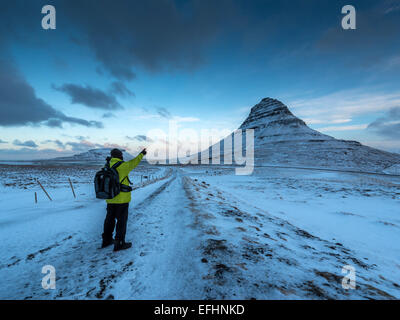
x=144 y=152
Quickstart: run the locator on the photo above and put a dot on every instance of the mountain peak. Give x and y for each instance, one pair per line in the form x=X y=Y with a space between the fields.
x=270 y=100
x=270 y=112
x=272 y=121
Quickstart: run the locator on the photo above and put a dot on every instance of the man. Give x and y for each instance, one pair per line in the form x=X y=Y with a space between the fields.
x=117 y=207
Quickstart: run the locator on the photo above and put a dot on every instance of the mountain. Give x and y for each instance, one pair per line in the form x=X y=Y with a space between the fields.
x=93 y=155
x=280 y=138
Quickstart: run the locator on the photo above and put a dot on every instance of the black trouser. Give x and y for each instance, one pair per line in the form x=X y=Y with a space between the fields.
x=117 y=211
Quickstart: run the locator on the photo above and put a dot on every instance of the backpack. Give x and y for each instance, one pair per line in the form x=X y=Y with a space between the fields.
x=106 y=182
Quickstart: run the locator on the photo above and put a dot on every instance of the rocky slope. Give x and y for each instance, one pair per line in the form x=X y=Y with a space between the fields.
x=280 y=138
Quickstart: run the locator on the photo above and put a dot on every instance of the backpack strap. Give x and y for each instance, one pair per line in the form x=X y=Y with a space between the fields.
x=115 y=166
x=129 y=181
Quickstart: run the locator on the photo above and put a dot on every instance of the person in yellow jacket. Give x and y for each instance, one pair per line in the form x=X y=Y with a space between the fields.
x=117 y=207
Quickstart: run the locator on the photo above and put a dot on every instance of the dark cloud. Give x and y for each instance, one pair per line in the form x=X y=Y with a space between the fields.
x=388 y=125
x=140 y=138
x=155 y=34
x=57 y=123
x=2 y=141
x=108 y=115
x=120 y=89
x=54 y=123
x=89 y=96
x=163 y=112
x=19 y=104
x=59 y=144
x=173 y=35
x=377 y=27
x=28 y=143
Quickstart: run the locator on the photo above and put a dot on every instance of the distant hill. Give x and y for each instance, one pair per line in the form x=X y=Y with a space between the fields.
x=93 y=155
x=280 y=138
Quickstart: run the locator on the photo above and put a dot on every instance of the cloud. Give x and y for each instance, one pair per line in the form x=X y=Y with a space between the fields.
x=156 y=35
x=28 y=143
x=321 y=121
x=343 y=128
x=377 y=25
x=388 y=125
x=185 y=119
x=140 y=138
x=345 y=104
x=161 y=111
x=20 y=106
x=2 y=141
x=89 y=96
x=108 y=115
x=57 y=123
x=115 y=145
x=391 y=6
x=120 y=89
x=57 y=142
x=31 y=154
x=83 y=145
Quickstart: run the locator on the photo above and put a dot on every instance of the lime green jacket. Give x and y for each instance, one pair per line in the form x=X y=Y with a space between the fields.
x=123 y=170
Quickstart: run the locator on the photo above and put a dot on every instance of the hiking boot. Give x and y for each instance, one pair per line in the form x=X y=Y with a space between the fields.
x=122 y=245
x=106 y=243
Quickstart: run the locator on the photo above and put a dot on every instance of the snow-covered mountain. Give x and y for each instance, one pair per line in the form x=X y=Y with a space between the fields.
x=93 y=155
x=280 y=138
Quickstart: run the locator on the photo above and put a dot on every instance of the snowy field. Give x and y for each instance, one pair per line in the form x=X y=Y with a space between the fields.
x=202 y=233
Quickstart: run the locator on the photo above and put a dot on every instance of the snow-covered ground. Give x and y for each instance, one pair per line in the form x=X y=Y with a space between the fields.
x=203 y=233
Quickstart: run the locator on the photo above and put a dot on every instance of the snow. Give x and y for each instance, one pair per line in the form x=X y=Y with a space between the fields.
x=200 y=232
x=395 y=169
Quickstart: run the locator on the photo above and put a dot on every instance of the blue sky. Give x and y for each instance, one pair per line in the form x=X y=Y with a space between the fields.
x=112 y=72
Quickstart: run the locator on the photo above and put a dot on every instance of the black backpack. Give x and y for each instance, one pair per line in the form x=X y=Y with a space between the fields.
x=106 y=182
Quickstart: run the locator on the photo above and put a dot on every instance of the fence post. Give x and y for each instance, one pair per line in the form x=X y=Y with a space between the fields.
x=44 y=190
x=72 y=187
x=35 y=197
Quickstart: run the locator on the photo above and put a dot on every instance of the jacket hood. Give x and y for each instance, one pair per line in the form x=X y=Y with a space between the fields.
x=114 y=161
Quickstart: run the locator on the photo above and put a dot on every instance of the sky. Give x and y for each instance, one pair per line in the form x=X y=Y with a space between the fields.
x=112 y=71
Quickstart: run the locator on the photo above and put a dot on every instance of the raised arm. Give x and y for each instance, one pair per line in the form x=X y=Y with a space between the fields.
x=132 y=164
